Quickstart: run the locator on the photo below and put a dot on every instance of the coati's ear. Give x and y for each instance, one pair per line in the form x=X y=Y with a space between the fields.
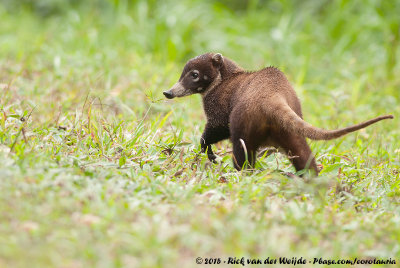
x=217 y=60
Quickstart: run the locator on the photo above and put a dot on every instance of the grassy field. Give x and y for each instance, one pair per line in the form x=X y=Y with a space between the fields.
x=97 y=169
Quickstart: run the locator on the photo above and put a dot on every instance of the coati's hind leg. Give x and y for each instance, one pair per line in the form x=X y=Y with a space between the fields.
x=245 y=144
x=298 y=151
x=241 y=151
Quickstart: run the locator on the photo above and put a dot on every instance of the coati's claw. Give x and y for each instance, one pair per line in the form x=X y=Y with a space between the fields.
x=212 y=158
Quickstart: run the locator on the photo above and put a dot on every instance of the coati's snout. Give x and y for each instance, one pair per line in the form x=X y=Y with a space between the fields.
x=178 y=90
x=197 y=76
x=168 y=94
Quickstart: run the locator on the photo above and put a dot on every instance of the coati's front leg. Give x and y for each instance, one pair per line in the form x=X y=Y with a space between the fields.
x=210 y=136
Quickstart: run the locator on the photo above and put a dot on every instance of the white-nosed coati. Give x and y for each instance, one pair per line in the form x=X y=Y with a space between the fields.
x=253 y=109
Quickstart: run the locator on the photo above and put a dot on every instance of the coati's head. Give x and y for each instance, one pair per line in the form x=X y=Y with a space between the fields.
x=199 y=75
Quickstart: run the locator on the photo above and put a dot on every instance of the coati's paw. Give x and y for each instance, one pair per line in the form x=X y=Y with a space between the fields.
x=212 y=158
x=290 y=175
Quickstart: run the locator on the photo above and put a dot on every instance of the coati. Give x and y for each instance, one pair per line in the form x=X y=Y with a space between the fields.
x=253 y=109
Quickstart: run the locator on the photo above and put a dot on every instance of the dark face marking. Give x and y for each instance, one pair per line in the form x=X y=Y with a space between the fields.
x=197 y=75
x=193 y=80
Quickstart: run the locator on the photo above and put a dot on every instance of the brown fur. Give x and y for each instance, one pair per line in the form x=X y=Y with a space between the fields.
x=253 y=109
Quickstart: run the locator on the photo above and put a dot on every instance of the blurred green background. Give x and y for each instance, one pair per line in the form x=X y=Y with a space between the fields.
x=331 y=49
x=97 y=169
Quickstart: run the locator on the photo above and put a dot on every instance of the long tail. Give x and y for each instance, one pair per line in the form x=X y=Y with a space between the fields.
x=289 y=119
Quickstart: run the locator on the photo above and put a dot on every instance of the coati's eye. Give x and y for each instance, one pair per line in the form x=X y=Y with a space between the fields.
x=195 y=75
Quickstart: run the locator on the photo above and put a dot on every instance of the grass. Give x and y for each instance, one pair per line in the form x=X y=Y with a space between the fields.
x=98 y=170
